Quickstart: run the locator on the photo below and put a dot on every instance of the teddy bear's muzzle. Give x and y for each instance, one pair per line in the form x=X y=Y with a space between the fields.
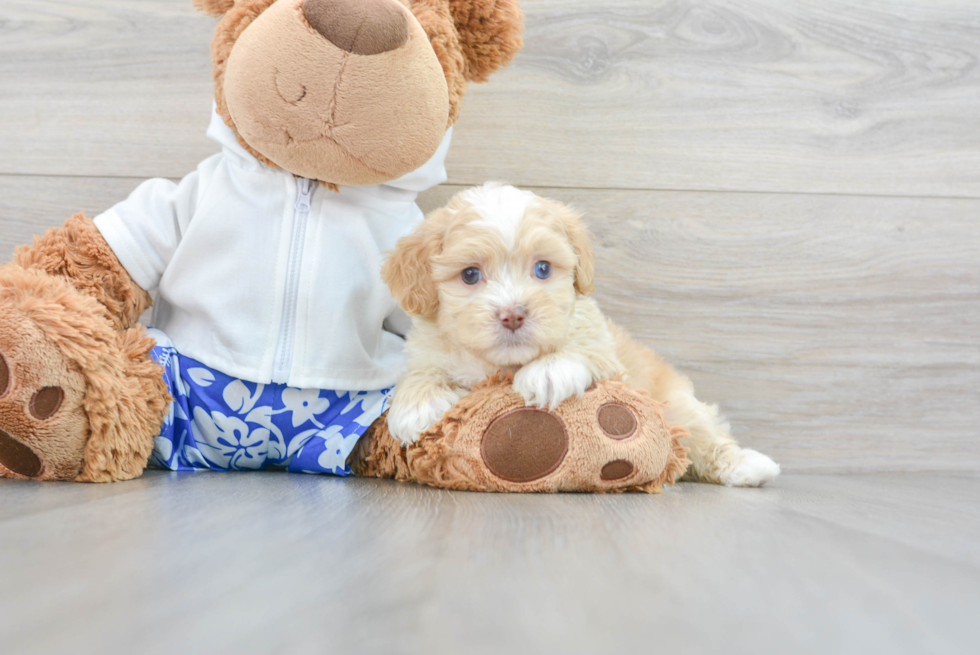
x=349 y=92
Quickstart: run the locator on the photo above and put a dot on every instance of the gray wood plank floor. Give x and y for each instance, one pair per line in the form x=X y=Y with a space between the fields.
x=280 y=563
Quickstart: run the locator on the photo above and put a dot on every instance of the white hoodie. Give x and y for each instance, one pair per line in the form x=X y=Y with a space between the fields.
x=271 y=278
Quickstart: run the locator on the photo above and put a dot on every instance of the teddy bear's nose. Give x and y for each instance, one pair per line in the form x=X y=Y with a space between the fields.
x=361 y=27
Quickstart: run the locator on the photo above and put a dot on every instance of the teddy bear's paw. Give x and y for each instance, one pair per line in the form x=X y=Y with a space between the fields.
x=750 y=468
x=43 y=426
x=79 y=399
x=611 y=438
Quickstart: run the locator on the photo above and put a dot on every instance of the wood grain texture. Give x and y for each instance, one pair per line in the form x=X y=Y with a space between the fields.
x=31 y=204
x=877 y=97
x=290 y=563
x=104 y=87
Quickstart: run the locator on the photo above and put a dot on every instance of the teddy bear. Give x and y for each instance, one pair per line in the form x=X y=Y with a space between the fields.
x=275 y=342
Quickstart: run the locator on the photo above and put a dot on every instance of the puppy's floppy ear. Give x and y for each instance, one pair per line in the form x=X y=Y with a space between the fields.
x=581 y=239
x=489 y=33
x=408 y=271
x=213 y=7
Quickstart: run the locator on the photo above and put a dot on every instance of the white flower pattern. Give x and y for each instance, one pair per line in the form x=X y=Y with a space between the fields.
x=305 y=404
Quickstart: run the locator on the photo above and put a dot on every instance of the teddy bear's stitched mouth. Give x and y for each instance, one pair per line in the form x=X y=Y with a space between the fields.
x=292 y=141
x=18 y=457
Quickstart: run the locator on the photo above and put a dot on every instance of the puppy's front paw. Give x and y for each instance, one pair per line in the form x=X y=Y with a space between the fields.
x=752 y=469
x=408 y=420
x=550 y=382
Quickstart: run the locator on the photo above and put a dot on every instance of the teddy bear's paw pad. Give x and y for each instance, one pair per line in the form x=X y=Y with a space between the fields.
x=524 y=445
x=616 y=470
x=18 y=458
x=43 y=424
x=14 y=455
x=4 y=376
x=617 y=422
x=46 y=402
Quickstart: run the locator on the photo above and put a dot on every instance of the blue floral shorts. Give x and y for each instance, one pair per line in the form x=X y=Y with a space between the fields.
x=220 y=423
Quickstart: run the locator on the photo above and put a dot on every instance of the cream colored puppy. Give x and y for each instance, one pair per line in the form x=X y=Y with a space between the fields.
x=499 y=280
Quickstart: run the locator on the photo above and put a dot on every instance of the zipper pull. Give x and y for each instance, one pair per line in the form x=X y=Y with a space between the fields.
x=304 y=194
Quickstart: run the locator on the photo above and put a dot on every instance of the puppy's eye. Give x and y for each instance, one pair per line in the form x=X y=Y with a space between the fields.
x=542 y=270
x=471 y=275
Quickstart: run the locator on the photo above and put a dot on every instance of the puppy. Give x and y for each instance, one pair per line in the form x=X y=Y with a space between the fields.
x=499 y=280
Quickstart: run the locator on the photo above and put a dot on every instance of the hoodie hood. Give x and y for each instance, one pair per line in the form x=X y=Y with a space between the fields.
x=407 y=187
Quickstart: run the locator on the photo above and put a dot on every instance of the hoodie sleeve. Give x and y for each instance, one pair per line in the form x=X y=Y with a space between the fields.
x=145 y=229
x=398 y=323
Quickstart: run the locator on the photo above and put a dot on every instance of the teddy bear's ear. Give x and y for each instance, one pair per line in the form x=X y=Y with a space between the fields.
x=489 y=33
x=214 y=7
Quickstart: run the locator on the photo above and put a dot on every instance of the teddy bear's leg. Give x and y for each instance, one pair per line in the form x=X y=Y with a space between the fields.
x=378 y=454
x=80 y=398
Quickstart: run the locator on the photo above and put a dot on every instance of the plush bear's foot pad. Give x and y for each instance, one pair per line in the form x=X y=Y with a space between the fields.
x=613 y=438
x=42 y=421
x=79 y=400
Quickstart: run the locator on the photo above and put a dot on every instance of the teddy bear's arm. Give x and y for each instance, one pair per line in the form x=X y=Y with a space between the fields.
x=77 y=251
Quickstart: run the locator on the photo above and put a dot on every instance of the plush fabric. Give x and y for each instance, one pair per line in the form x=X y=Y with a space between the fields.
x=491 y=442
x=221 y=423
x=490 y=34
x=368 y=27
x=113 y=398
x=78 y=252
x=469 y=38
x=332 y=115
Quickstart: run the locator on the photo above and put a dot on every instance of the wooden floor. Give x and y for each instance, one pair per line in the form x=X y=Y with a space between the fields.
x=285 y=563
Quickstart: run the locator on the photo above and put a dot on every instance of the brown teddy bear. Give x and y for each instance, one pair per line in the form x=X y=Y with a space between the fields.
x=276 y=343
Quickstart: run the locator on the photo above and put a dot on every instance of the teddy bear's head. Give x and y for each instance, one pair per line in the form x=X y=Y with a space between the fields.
x=353 y=92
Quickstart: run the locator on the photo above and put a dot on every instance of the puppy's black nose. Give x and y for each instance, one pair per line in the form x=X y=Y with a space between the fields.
x=361 y=27
x=513 y=317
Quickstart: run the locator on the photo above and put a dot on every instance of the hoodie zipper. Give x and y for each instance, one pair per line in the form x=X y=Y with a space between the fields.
x=287 y=329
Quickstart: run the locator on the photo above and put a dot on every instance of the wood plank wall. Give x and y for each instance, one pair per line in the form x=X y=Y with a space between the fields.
x=785 y=194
